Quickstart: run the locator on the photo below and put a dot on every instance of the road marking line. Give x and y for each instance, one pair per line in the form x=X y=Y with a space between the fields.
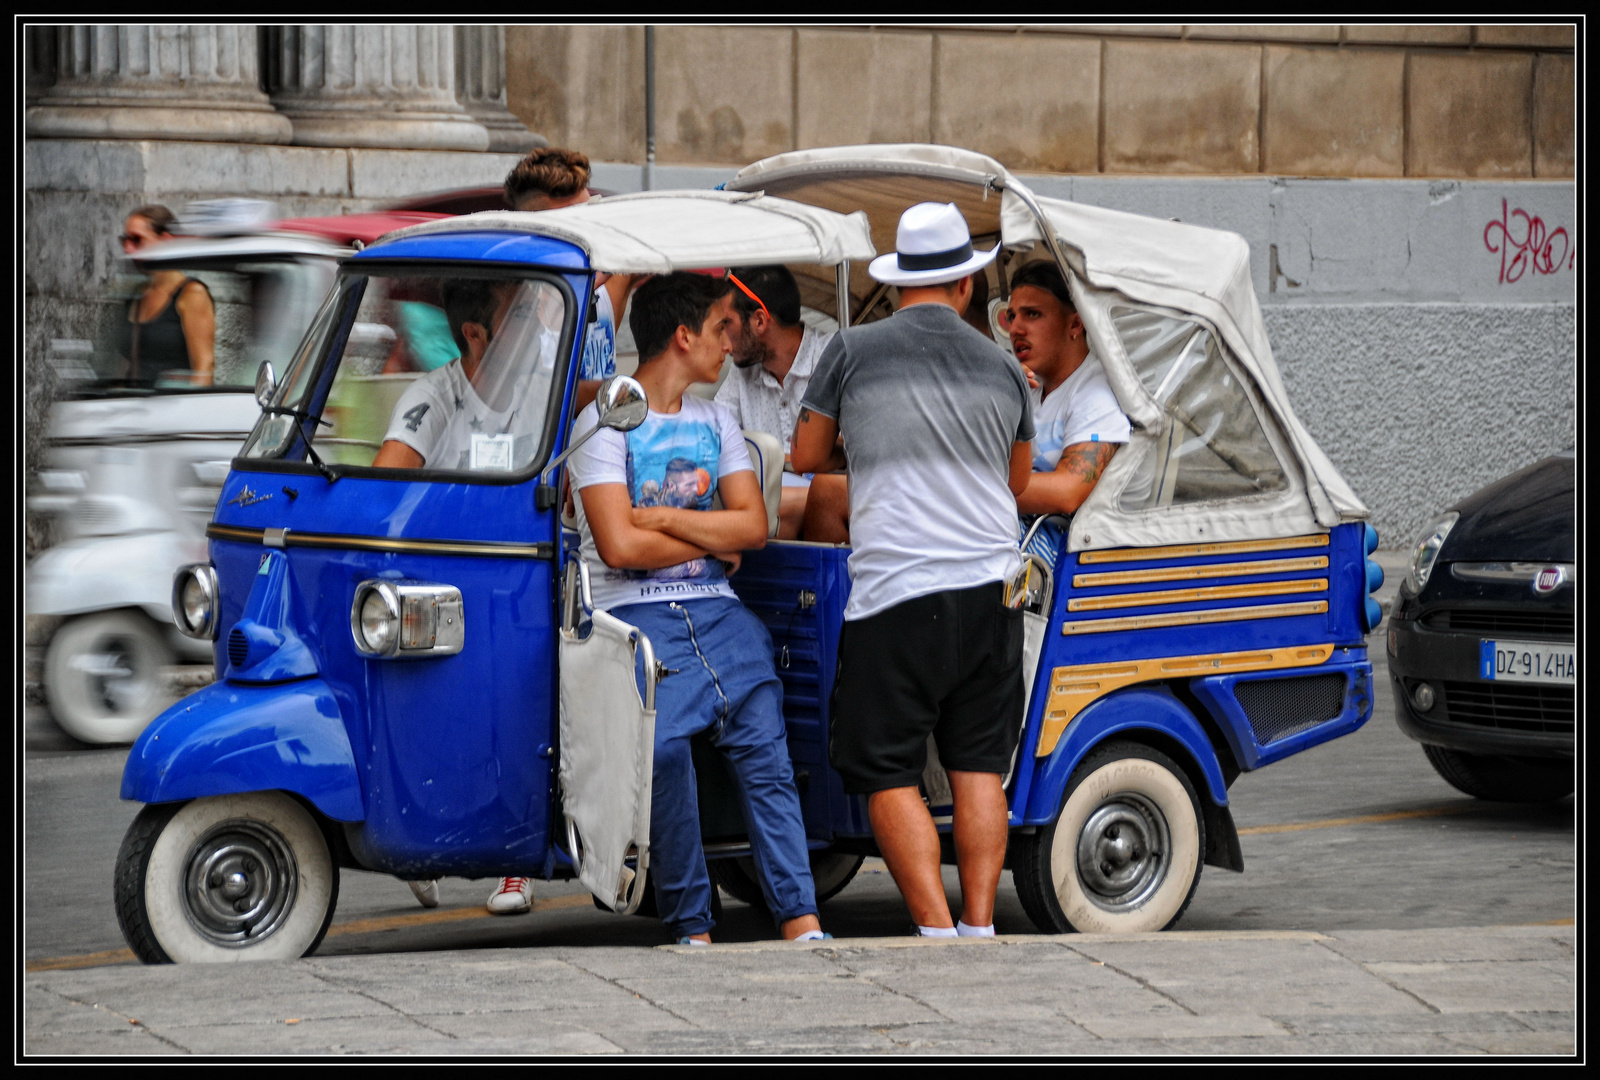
x=1552 y=922
x=1364 y=819
x=357 y=926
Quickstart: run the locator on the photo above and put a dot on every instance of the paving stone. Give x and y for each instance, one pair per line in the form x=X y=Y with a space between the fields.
x=1403 y=1024
x=171 y=995
x=47 y=1012
x=522 y=1033
x=1451 y=944
x=1525 y=1042
x=1180 y=1025
x=133 y=1040
x=1480 y=985
x=414 y=984
x=367 y=1035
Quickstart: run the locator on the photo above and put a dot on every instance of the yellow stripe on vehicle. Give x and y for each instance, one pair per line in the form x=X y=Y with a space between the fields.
x=1195 y=572
x=1190 y=618
x=1074 y=688
x=1190 y=596
x=1195 y=551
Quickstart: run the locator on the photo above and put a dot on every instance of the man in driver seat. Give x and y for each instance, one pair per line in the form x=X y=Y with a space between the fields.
x=441 y=422
x=1077 y=422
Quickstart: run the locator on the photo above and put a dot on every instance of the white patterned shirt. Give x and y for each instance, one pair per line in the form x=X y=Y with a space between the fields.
x=757 y=400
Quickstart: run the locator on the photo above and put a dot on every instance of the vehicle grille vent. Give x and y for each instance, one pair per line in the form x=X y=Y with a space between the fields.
x=1557 y=624
x=1511 y=706
x=238 y=648
x=1278 y=708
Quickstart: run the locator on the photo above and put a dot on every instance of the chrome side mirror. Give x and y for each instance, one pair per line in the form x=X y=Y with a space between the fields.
x=266 y=383
x=623 y=407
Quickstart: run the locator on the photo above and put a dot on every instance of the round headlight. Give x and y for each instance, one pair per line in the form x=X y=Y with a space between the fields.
x=194 y=600
x=377 y=620
x=1426 y=553
x=1422 y=697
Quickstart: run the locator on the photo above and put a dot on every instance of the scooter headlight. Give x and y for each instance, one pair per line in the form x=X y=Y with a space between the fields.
x=375 y=619
x=194 y=601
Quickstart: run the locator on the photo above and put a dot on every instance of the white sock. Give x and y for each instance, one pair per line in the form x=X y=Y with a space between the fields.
x=936 y=931
x=963 y=930
x=809 y=935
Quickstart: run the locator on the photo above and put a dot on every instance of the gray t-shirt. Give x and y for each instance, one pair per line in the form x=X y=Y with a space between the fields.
x=929 y=409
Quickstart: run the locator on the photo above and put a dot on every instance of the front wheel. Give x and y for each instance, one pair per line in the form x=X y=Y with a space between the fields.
x=102 y=676
x=1502 y=779
x=225 y=879
x=831 y=871
x=1125 y=851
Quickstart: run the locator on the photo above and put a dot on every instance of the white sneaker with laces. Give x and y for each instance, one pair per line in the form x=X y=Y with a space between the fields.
x=513 y=897
x=426 y=892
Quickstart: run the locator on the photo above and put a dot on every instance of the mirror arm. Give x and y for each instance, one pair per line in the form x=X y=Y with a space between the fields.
x=556 y=464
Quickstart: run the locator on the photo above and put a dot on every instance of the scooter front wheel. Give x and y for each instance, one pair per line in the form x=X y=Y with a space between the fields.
x=103 y=676
x=225 y=879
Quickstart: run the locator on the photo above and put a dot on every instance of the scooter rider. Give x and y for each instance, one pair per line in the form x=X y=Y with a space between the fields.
x=654 y=547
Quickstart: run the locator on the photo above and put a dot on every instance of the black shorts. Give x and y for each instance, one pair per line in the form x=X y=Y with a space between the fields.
x=947 y=664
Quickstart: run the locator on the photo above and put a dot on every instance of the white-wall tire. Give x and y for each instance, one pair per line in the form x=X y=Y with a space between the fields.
x=225 y=879
x=1124 y=854
x=103 y=676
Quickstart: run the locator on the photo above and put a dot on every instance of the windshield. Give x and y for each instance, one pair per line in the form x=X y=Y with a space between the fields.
x=260 y=311
x=447 y=372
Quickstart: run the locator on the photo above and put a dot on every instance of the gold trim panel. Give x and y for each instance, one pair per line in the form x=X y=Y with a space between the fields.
x=290 y=538
x=1073 y=689
x=1190 y=618
x=1191 y=551
x=1189 y=596
x=1205 y=570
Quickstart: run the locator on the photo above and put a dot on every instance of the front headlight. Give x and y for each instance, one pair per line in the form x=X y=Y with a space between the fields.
x=377 y=618
x=405 y=619
x=194 y=601
x=1426 y=553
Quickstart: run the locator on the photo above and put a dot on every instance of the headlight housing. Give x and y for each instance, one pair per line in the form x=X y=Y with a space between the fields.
x=406 y=619
x=194 y=601
x=1426 y=553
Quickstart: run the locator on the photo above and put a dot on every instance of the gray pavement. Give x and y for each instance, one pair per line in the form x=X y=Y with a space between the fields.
x=1468 y=990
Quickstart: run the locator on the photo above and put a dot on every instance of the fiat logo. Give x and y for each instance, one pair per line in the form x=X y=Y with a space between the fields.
x=1549 y=579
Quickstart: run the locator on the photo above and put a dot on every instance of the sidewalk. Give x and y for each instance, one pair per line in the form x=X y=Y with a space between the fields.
x=1472 y=990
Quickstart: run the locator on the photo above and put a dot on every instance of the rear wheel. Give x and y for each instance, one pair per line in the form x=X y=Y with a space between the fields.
x=1123 y=855
x=1502 y=779
x=831 y=871
x=103 y=676
x=225 y=879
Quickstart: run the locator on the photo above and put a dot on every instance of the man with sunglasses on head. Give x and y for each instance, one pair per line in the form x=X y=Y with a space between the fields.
x=774 y=354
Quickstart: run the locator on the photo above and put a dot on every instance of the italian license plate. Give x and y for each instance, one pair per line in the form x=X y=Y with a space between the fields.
x=1528 y=661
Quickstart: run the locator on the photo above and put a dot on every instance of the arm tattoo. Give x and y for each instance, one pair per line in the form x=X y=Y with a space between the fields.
x=1086 y=461
x=805 y=415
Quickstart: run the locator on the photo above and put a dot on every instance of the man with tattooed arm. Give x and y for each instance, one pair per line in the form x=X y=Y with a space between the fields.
x=1078 y=424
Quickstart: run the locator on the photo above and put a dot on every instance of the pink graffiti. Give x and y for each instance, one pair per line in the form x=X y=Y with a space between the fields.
x=1541 y=250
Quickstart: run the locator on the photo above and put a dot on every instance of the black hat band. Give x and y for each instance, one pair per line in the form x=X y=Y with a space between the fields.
x=938 y=260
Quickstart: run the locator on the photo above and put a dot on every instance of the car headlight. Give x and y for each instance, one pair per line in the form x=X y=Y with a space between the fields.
x=194 y=601
x=407 y=619
x=1427 y=552
x=376 y=618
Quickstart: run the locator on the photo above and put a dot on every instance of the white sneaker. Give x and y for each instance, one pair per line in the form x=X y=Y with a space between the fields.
x=426 y=892
x=513 y=897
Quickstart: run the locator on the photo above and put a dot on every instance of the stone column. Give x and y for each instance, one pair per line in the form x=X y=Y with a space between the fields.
x=156 y=82
x=481 y=87
x=371 y=86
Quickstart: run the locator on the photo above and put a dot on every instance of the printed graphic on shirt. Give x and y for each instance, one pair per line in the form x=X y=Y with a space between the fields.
x=600 y=341
x=673 y=464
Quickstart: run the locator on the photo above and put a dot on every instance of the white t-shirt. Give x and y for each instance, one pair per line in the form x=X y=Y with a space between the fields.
x=600 y=340
x=759 y=402
x=441 y=417
x=1082 y=409
x=672 y=459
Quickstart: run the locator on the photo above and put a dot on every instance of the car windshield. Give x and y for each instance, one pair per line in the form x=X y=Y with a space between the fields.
x=261 y=308
x=453 y=372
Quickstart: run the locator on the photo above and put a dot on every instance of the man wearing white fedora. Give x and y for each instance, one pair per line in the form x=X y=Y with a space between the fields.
x=938 y=431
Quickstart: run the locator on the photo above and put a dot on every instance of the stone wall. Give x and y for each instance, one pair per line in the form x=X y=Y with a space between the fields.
x=1308 y=100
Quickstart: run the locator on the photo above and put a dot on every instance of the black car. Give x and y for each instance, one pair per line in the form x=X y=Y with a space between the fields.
x=1482 y=652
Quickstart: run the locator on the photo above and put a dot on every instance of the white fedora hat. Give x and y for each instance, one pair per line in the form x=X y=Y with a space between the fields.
x=932 y=246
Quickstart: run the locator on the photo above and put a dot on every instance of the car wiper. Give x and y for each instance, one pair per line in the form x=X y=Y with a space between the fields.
x=311 y=451
x=322 y=466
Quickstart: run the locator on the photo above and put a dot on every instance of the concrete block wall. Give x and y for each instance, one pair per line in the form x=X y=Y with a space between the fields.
x=1310 y=100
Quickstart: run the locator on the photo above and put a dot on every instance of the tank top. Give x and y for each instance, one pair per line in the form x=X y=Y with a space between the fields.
x=156 y=347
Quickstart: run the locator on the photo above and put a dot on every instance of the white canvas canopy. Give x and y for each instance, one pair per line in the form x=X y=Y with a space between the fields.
x=1116 y=262
x=657 y=232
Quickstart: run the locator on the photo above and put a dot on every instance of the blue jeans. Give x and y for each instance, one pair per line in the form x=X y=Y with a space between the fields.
x=723 y=680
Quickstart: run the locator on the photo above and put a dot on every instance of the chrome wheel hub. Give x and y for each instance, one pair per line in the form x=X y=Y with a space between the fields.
x=111 y=675
x=239 y=884
x=1124 y=851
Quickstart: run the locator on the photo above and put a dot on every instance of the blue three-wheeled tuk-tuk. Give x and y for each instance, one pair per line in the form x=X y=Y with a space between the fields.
x=412 y=680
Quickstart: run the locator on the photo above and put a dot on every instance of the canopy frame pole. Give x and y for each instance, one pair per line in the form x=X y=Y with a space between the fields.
x=841 y=284
x=649 y=108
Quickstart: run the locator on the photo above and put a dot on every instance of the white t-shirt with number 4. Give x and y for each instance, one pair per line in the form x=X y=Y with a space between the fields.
x=442 y=418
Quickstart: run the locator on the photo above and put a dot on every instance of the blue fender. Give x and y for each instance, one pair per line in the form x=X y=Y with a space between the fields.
x=228 y=739
x=1144 y=708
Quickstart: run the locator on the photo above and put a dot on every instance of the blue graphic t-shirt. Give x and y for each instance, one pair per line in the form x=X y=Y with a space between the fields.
x=672 y=459
x=600 y=342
